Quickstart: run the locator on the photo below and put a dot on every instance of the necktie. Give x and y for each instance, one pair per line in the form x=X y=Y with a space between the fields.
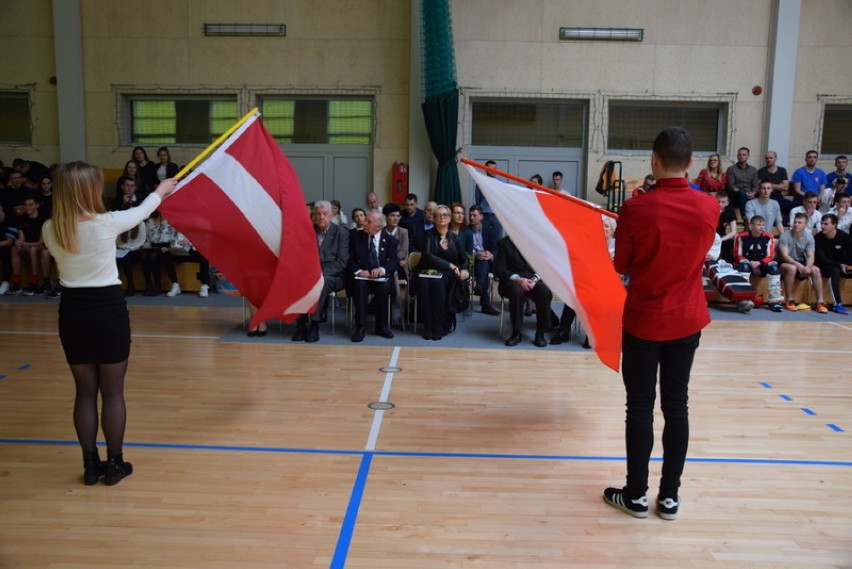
x=374 y=256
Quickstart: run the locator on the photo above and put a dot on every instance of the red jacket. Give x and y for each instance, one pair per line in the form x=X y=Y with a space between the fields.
x=661 y=242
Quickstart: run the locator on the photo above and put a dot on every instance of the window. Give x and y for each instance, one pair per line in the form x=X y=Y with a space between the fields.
x=180 y=120
x=318 y=121
x=633 y=125
x=528 y=123
x=836 y=125
x=15 y=118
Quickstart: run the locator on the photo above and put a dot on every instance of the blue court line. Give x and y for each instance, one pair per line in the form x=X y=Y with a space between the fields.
x=766 y=385
x=413 y=454
x=348 y=526
x=25 y=366
x=834 y=427
x=2 y=377
x=785 y=397
x=808 y=411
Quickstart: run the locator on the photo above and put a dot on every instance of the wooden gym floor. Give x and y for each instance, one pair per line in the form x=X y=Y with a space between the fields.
x=261 y=455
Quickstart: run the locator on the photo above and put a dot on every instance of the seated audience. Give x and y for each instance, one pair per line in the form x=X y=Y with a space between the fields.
x=458 y=225
x=127 y=247
x=798 y=261
x=127 y=197
x=29 y=244
x=373 y=259
x=842 y=211
x=767 y=208
x=836 y=188
x=834 y=257
x=754 y=253
x=337 y=216
x=166 y=168
x=809 y=209
x=428 y=212
x=7 y=242
x=412 y=221
x=160 y=238
x=372 y=202
x=484 y=250
x=517 y=282
x=741 y=180
x=131 y=170
x=840 y=164
x=393 y=214
x=777 y=175
x=359 y=216
x=147 y=172
x=190 y=253
x=45 y=196
x=31 y=170
x=712 y=179
x=442 y=265
x=807 y=178
x=333 y=246
x=727 y=227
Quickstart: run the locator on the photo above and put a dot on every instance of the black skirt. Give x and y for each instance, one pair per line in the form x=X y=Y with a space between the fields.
x=94 y=325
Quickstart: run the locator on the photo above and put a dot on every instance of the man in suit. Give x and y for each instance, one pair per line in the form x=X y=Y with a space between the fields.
x=484 y=252
x=373 y=258
x=333 y=244
x=411 y=219
x=518 y=281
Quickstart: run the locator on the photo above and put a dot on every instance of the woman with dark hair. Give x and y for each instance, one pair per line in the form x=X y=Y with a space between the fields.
x=147 y=172
x=166 y=168
x=94 y=326
x=458 y=225
x=442 y=261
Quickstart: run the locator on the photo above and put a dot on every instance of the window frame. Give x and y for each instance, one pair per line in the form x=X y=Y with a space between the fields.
x=724 y=107
x=25 y=97
x=129 y=136
x=832 y=105
x=328 y=136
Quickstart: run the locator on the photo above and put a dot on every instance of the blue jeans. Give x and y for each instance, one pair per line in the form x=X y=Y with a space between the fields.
x=641 y=361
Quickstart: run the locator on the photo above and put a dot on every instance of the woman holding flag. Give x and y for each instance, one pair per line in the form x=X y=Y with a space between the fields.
x=94 y=326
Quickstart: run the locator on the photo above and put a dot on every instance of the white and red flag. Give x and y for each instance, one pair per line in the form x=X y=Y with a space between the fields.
x=244 y=210
x=564 y=242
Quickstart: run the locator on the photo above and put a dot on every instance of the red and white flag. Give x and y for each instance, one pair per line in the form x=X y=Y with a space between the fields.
x=244 y=210
x=565 y=244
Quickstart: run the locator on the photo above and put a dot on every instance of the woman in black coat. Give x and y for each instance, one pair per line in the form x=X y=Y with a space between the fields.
x=442 y=261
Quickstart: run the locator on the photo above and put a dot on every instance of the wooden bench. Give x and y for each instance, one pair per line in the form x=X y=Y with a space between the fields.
x=804 y=292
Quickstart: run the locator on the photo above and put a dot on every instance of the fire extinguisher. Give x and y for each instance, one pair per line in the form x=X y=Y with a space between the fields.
x=399 y=182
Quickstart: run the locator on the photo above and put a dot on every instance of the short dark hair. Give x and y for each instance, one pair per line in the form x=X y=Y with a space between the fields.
x=756 y=218
x=840 y=157
x=411 y=197
x=673 y=148
x=557 y=173
x=800 y=214
x=831 y=217
x=390 y=208
x=490 y=163
x=809 y=195
x=475 y=207
x=764 y=181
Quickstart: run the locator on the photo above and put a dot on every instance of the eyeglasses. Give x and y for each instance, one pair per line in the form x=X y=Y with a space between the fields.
x=458 y=213
x=442 y=214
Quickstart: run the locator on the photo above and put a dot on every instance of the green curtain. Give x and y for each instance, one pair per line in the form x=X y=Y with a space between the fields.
x=441 y=113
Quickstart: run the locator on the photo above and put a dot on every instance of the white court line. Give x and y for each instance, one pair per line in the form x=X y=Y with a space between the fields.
x=380 y=413
x=839 y=325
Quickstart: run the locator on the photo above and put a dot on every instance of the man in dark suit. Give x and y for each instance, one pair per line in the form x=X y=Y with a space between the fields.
x=333 y=244
x=411 y=219
x=484 y=251
x=372 y=262
x=518 y=281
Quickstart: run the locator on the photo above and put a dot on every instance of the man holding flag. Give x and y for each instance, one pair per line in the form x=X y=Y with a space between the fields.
x=664 y=314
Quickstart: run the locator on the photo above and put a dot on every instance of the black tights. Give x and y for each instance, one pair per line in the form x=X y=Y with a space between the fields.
x=109 y=380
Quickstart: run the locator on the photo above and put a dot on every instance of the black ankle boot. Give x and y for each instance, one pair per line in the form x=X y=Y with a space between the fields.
x=116 y=469
x=93 y=468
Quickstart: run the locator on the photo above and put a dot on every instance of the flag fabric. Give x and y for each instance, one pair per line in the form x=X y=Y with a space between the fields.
x=244 y=210
x=565 y=244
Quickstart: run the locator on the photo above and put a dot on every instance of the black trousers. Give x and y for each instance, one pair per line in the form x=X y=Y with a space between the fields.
x=540 y=295
x=641 y=361
x=380 y=291
x=834 y=275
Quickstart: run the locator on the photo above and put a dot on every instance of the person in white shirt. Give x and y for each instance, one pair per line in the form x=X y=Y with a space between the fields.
x=842 y=211
x=94 y=326
x=812 y=214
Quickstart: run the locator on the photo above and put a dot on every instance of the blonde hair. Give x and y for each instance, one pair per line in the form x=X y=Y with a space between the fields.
x=77 y=191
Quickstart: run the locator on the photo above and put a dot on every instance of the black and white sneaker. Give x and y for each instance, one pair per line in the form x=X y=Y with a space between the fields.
x=667 y=507
x=637 y=507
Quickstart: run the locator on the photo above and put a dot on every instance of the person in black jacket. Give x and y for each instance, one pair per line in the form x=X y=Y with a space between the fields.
x=442 y=261
x=373 y=259
x=518 y=281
